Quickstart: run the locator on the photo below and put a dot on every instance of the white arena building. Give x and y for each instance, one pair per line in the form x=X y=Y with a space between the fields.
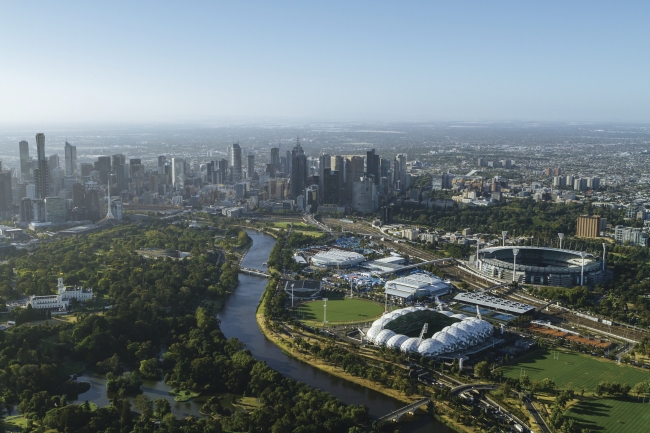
x=416 y=286
x=468 y=332
x=335 y=258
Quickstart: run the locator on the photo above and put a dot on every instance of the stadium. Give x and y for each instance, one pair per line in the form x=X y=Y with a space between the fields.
x=335 y=258
x=543 y=266
x=451 y=333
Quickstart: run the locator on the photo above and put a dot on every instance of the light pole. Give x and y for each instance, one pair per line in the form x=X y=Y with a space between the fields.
x=604 y=255
x=582 y=270
x=350 y=286
x=504 y=234
x=515 y=251
x=324 y=311
x=561 y=236
x=293 y=284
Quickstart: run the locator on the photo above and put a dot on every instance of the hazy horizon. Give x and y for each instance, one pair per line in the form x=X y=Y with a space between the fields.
x=332 y=62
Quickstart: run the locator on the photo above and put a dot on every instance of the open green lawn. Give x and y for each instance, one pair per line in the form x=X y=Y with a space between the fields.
x=15 y=423
x=574 y=370
x=610 y=415
x=296 y=225
x=340 y=311
x=72 y=367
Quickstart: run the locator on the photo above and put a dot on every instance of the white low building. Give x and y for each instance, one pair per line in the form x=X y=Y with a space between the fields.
x=62 y=299
x=416 y=286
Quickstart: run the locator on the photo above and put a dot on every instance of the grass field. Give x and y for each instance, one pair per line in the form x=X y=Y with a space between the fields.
x=575 y=371
x=340 y=311
x=296 y=226
x=610 y=415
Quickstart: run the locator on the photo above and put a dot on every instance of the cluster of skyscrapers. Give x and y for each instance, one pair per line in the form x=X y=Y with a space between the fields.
x=46 y=190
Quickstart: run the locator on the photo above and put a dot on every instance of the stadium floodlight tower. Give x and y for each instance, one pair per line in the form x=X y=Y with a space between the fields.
x=324 y=311
x=292 y=294
x=561 y=236
x=582 y=270
x=604 y=255
x=515 y=251
x=504 y=234
x=425 y=328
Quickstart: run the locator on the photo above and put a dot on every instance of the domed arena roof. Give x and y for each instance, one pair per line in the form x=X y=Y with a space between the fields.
x=469 y=331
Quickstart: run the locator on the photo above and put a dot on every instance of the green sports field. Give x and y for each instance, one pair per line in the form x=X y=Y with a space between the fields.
x=339 y=311
x=578 y=372
x=611 y=415
x=575 y=371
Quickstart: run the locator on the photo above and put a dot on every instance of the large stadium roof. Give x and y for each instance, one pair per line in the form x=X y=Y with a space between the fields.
x=469 y=332
x=484 y=300
x=336 y=257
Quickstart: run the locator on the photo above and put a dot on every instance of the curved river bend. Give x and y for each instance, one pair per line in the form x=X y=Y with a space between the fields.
x=238 y=320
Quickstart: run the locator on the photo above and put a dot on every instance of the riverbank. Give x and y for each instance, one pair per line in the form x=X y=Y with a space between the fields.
x=283 y=343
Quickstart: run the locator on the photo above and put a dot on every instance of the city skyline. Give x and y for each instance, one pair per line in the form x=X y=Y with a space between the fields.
x=335 y=61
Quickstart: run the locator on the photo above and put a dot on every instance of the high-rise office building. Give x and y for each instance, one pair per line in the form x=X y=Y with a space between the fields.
x=324 y=163
x=250 y=169
x=103 y=166
x=70 y=159
x=6 y=195
x=42 y=171
x=331 y=186
x=162 y=160
x=275 y=158
x=178 y=173
x=372 y=166
x=298 y=170
x=588 y=226
x=354 y=171
x=26 y=210
x=54 y=161
x=25 y=161
x=400 y=172
x=235 y=162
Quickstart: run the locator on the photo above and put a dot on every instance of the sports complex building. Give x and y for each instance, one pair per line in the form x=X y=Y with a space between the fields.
x=416 y=286
x=538 y=265
x=335 y=258
x=452 y=334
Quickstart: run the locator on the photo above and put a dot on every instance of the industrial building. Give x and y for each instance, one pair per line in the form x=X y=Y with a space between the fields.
x=416 y=286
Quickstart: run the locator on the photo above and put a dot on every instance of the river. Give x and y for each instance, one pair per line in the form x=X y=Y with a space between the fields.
x=238 y=320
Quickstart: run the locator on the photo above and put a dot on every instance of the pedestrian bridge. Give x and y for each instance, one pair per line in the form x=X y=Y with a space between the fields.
x=399 y=413
x=254 y=272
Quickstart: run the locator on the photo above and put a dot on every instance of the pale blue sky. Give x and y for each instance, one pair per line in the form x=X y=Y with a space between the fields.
x=179 y=61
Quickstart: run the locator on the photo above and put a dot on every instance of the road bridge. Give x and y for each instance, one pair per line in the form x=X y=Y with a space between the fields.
x=254 y=272
x=472 y=386
x=399 y=413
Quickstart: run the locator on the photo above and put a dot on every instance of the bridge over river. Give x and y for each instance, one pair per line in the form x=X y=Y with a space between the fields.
x=399 y=413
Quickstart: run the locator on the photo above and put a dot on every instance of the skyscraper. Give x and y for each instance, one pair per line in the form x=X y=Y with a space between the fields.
x=298 y=170
x=42 y=172
x=235 y=162
x=372 y=165
x=25 y=162
x=324 y=163
x=6 y=197
x=251 y=166
x=70 y=159
x=275 y=158
x=178 y=173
